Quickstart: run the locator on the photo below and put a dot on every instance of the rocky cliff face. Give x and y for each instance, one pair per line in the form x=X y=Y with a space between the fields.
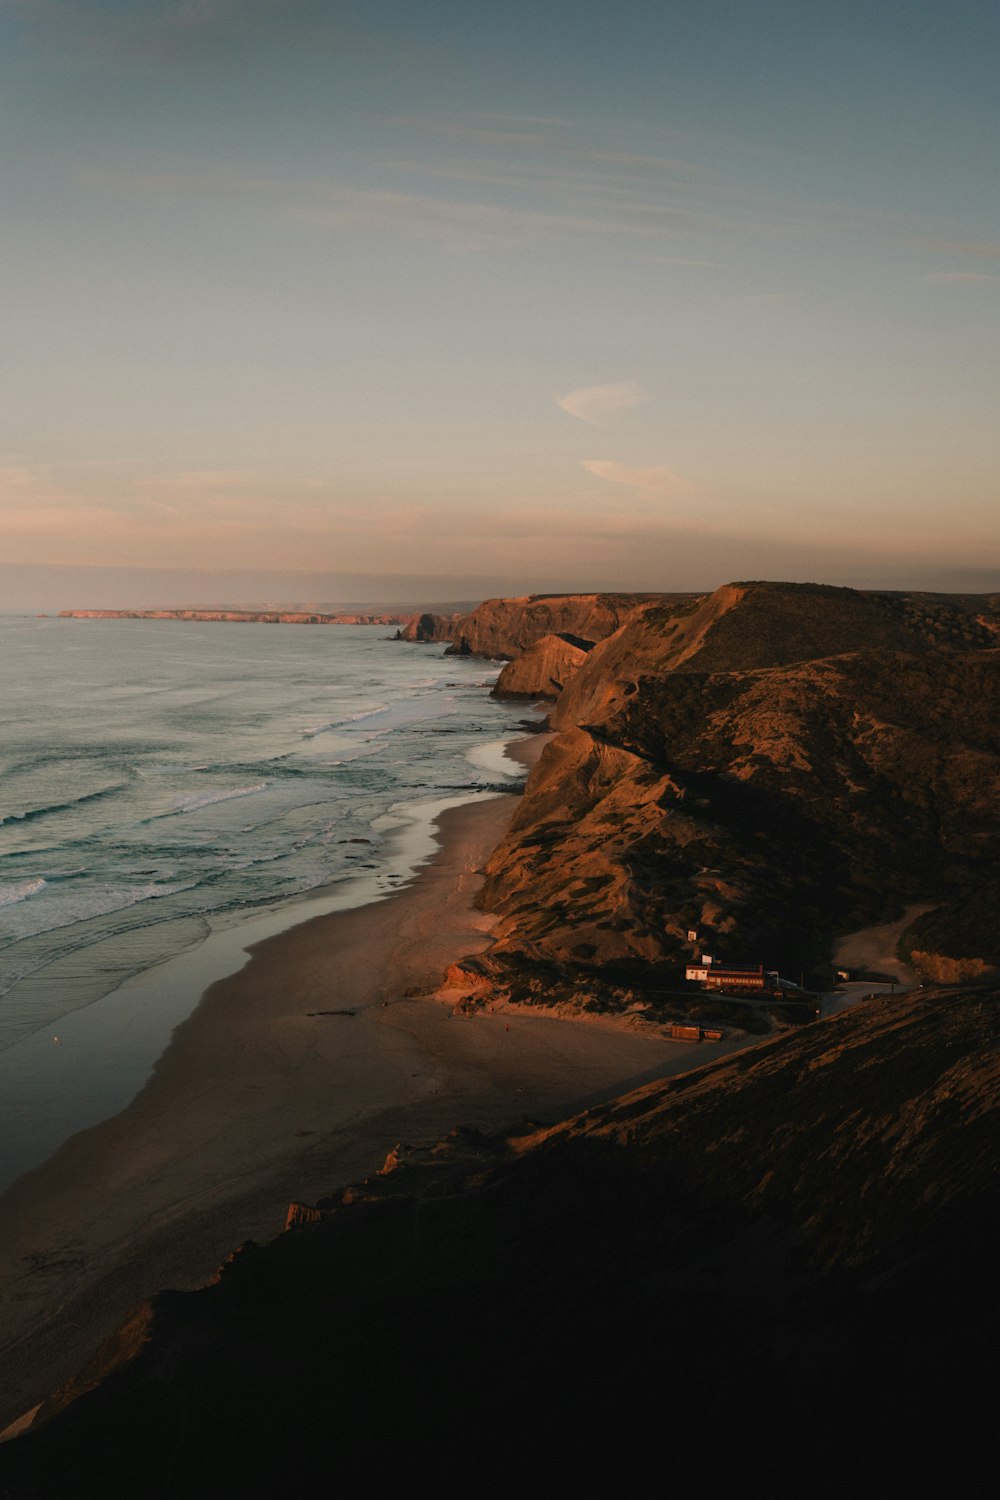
x=543 y=670
x=786 y=1259
x=767 y=767
x=505 y=627
x=427 y=628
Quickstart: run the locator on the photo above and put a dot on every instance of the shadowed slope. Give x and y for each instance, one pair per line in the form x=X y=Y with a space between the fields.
x=748 y=1258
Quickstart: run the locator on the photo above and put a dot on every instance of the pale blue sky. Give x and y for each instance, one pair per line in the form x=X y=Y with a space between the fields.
x=394 y=287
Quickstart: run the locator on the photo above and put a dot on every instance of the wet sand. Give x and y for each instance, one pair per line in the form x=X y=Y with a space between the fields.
x=293 y=1076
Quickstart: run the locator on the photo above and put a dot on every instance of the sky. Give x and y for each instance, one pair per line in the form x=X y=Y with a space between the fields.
x=589 y=295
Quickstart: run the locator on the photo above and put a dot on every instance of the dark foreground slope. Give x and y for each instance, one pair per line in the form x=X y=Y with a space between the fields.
x=769 y=766
x=781 y=1264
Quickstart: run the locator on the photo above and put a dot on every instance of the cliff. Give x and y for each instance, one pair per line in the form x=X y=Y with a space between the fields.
x=543 y=670
x=768 y=767
x=505 y=627
x=427 y=628
x=782 y=1261
x=232 y=616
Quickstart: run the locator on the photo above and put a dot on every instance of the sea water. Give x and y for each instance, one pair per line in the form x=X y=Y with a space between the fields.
x=164 y=787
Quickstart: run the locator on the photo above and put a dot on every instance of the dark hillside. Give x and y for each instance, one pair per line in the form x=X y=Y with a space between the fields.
x=783 y=1261
x=769 y=767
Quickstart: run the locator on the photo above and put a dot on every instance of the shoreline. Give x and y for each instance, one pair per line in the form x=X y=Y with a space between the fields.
x=291 y=1077
x=108 y=1048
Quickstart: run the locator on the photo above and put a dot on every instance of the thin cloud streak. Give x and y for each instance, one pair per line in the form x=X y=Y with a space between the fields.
x=987 y=250
x=456 y=225
x=654 y=480
x=960 y=276
x=597 y=403
x=309 y=526
x=551 y=140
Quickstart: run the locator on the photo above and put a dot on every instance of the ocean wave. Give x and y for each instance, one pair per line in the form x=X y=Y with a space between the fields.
x=31 y=813
x=385 y=735
x=10 y=895
x=339 y=723
x=366 y=747
x=206 y=799
x=494 y=758
x=19 y=960
x=406 y=713
x=68 y=908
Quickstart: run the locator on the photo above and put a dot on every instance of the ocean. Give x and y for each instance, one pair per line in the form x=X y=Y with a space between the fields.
x=169 y=790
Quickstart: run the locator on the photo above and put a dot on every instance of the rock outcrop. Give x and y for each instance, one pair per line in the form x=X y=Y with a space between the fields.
x=543 y=670
x=961 y=939
x=782 y=1260
x=427 y=628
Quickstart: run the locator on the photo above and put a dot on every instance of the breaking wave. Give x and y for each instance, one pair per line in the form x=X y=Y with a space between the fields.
x=31 y=813
x=344 y=719
x=10 y=895
x=206 y=799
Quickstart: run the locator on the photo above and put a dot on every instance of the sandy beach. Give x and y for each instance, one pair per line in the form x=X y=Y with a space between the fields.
x=291 y=1077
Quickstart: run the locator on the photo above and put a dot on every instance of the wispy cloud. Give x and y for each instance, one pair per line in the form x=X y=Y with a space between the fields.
x=982 y=250
x=960 y=276
x=597 y=403
x=557 y=138
x=655 y=480
x=456 y=225
x=488 y=182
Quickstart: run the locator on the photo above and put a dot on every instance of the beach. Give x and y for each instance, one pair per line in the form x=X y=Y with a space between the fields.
x=291 y=1077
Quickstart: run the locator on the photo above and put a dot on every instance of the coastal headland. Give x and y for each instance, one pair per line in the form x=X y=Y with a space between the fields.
x=757 y=773
x=236 y=616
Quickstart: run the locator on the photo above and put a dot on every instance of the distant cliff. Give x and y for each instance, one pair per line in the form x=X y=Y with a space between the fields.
x=783 y=1264
x=233 y=616
x=505 y=627
x=428 y=628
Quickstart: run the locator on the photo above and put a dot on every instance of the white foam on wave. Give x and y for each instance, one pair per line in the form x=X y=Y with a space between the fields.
x=11 y=895
x=495 y=759
x=356 y=752
x=406 y=713
x=338 y=723
x=66 y=907
x=206 y=799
